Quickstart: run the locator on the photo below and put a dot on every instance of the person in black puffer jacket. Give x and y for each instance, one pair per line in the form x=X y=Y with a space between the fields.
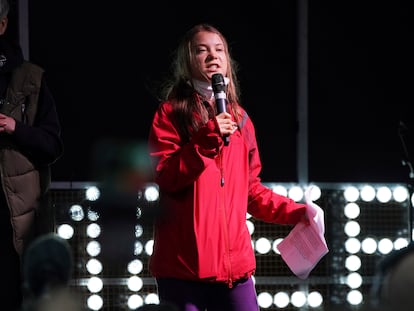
x=30 y=142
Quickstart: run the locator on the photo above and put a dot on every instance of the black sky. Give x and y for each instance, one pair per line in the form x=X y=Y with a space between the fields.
x=103 y=62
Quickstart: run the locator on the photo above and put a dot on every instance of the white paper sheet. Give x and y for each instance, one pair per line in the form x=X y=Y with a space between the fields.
x=305 y=244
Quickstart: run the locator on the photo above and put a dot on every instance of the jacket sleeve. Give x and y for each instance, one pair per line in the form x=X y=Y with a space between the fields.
x=177 y=164
x=264 y=203
x=41 y=142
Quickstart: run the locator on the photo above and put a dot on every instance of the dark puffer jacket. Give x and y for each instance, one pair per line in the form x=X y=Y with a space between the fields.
x=26 y=154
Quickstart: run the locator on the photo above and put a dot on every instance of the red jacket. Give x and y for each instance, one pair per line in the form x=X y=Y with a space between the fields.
x=202 y=232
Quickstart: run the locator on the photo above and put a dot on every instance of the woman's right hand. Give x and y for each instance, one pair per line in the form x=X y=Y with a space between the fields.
x=226 y=124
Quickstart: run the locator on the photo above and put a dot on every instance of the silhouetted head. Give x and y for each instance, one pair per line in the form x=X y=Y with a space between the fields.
x=47 y=265
x=393 y=286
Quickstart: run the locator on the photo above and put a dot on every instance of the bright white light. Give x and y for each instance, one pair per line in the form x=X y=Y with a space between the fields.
x=76 y=212
x=65 y=231
x=275 y=244
x=92 y=193
x=94 y=266
x=135 y=266
x=149 y=247
x=400 y=243
x=315 y=299
x=139 y=230
x=400 y=194
x=280 y=190
x=352 y=228
x=138 y=248
x=352 y=245
x=93 y=248
x=281 y=300
x=369 y=246
x=354 y=280
x=151 y=194
x=93 y=230
x=135 y=301
x=412 y=199
x=315 y=192
x=95 y=302
x=152 y=299
x=250 y=226
x=351 y=194
x=367 y=193
x=298 y=299
x=95 y=284
x=353 y=263
x=296 y=193
x=385 y=246
x=92 y=215
x=384 y=194
x=265 y=300
x=354 y=297
x=134 y=283
x=263 y=246
x=352 y=210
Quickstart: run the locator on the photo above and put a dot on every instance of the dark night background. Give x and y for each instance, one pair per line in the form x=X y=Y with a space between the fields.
x=103 y=61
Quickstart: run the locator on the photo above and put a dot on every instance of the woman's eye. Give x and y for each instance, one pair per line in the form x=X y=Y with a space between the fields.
x=198 y=51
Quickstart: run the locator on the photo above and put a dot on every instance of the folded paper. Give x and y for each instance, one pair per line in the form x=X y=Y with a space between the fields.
x=305 y=244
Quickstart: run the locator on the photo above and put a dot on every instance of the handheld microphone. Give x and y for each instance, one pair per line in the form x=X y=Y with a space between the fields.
x=218 y=85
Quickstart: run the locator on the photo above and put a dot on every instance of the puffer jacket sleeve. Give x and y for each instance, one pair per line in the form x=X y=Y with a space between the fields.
x=264 y=203
x=42 y=141
x=178 y=164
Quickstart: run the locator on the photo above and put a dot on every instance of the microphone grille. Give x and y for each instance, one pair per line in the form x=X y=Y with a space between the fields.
x=217 y=81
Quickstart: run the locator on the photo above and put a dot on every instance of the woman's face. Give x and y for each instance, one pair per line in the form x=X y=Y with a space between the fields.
x=209 y=56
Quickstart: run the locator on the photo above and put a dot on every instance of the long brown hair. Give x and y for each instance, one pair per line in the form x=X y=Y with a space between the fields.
x=187 y=102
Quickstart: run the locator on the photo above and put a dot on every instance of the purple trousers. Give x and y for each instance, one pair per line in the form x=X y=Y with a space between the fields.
x=202 y=296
